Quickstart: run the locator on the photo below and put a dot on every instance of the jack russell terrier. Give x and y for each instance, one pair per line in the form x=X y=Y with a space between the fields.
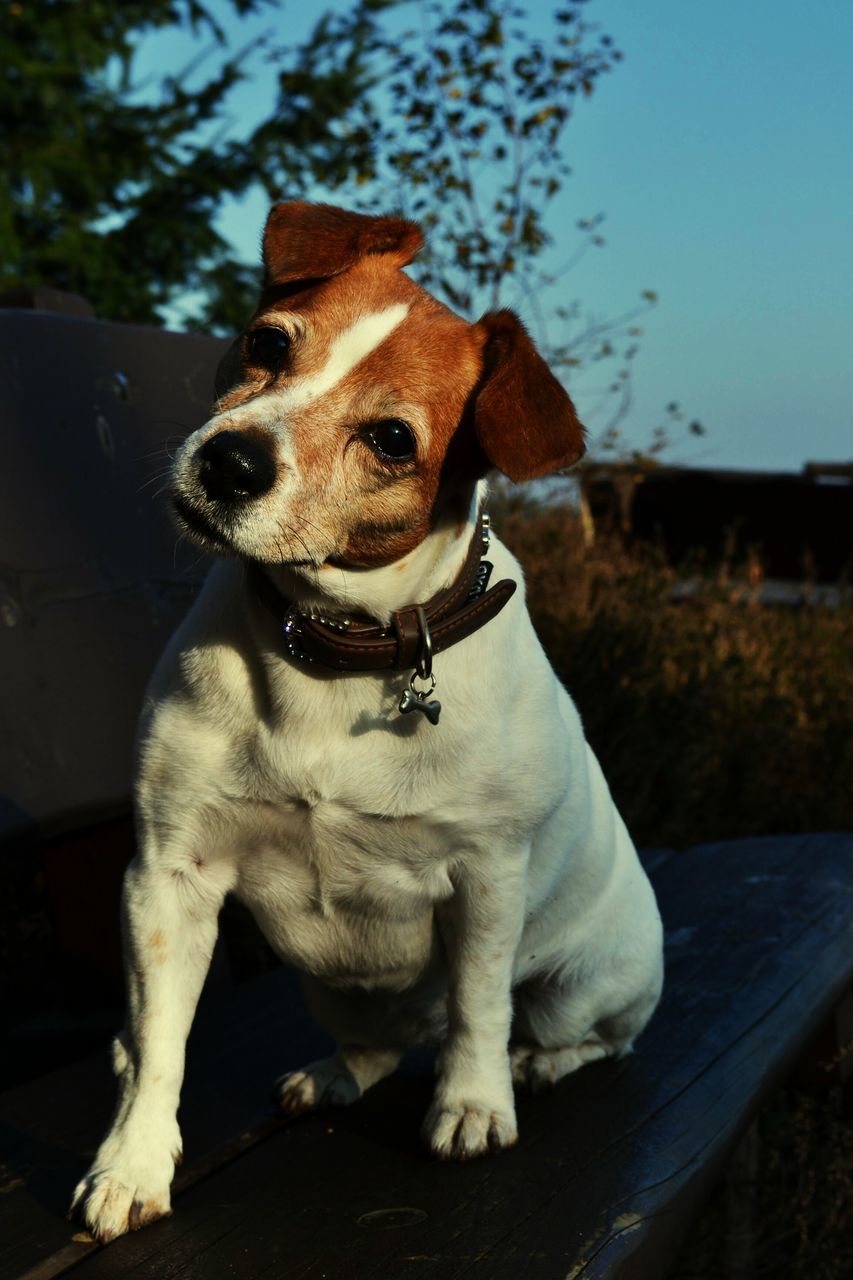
x=400 y=792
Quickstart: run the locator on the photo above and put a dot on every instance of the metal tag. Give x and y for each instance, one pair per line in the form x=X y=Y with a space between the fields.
x=411 y=700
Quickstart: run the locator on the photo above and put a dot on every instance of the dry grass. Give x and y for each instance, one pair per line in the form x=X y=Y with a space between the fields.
x=785 y=1208
x=712 y=719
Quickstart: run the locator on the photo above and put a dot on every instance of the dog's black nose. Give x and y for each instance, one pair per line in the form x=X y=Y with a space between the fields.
x=235 y=466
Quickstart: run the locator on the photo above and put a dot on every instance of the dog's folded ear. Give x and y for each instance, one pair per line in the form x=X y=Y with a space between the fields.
x=305 y=241
x=525 y=422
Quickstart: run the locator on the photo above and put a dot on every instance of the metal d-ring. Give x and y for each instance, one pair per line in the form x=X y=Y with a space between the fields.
x=424 y=663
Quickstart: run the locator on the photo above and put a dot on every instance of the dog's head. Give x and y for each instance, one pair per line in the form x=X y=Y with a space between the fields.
x=355 y=410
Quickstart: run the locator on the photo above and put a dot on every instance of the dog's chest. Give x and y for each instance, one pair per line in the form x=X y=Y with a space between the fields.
x=342 y=885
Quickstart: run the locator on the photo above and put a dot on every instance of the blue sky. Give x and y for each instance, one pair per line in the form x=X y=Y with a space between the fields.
x=721 y=152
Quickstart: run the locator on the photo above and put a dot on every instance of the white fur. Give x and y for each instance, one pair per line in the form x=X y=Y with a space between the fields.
x=415 y=874
x=348 y=350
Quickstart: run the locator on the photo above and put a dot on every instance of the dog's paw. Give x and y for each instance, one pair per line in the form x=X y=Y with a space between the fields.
x=469 y=1129
x=538 y=1069
x=533 y=1069
x=326 y=1083
x=111 y=1201
x=128 y=1184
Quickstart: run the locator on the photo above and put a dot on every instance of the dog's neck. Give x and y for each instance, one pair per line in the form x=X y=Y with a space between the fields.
x=378 y=592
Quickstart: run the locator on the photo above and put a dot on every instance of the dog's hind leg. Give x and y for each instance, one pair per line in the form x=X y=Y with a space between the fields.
x=556 y=1031
x=534 y=1068
x=336 y=1081
x=373 y=1029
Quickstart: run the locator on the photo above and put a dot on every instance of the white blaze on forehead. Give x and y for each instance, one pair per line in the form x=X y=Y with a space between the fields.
x=348 y=350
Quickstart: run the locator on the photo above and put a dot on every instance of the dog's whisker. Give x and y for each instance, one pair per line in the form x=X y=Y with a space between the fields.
x=174 y=422
x=166 y=449
x=308 y=554
x=161 y=475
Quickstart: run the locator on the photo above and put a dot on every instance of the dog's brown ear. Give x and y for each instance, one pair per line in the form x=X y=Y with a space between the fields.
x=305 y=241
x=525 y=422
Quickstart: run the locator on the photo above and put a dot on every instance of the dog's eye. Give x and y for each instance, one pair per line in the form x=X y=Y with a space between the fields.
x=392 y=440
x=268 y=348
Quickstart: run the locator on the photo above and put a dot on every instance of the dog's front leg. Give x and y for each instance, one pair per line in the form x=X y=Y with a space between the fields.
x=473 y=1110
x=170 y=909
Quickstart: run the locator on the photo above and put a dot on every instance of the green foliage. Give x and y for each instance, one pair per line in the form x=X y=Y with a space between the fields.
x=105 y=195
x=472 y=145
x=449 y=110
x=112 y=189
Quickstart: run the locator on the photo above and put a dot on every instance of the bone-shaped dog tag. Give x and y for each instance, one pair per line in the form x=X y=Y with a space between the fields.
x=412 y=701
x=413 y=698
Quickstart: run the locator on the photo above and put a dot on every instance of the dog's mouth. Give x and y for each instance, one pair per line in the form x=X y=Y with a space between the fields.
x=201 y=528
x=197 y=523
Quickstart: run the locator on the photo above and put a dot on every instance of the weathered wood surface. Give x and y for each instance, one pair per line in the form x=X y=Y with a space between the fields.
x=609 y=1169
x=92 y=583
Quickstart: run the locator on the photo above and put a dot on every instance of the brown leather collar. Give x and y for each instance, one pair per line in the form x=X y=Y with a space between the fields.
x=362 y=644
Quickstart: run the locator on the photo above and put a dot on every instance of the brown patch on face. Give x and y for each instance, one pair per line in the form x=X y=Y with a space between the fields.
x=423 y=373
x=345 y=504
x=238 y=381
x=371 y=547
x=237 y=396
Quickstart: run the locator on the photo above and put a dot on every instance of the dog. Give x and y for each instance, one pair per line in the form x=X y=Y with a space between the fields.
x=400 y=792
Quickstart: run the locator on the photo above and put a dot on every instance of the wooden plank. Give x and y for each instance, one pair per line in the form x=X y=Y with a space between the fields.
x=50 y=1127
x=92 y=581
x=609 y=1168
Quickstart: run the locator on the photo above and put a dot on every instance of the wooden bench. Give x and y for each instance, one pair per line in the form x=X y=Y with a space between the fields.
x=93 y=581
x=611 y=1167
